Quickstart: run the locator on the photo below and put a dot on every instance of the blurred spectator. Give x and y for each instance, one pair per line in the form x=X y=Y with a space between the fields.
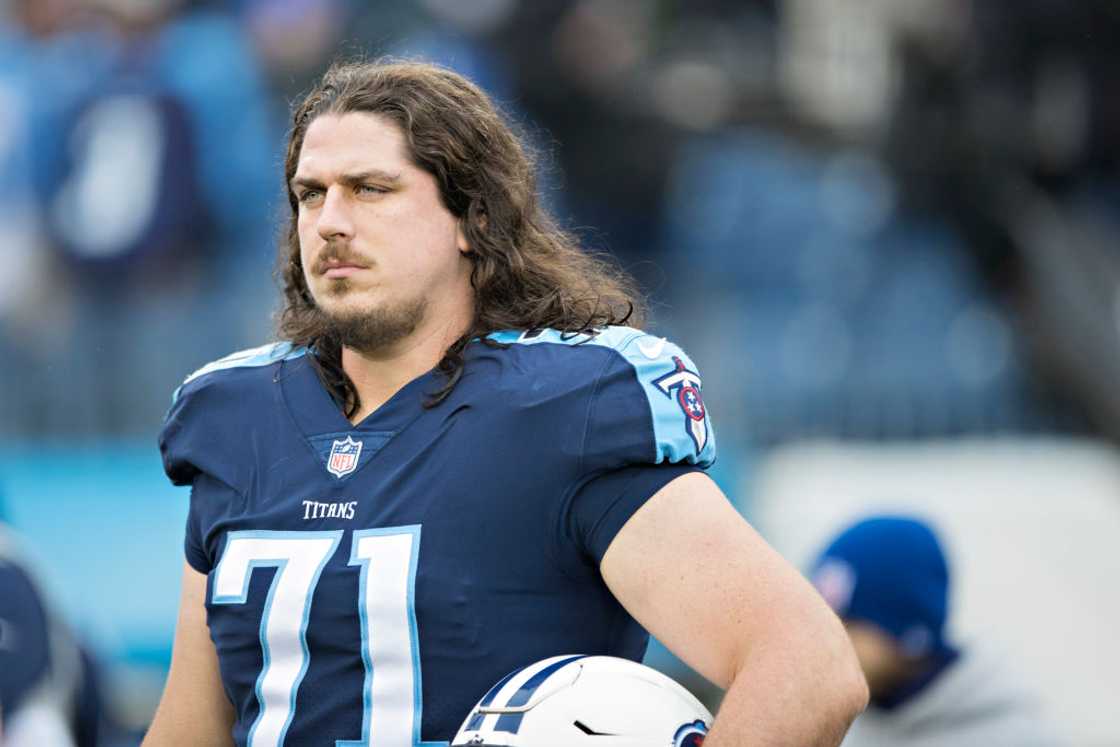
x=1009 y=129
x=163 y=159
x=48 y=689
x=888 y=580
x=841 y=314
x=293 y=37
x=147 y=189
x=615 y=86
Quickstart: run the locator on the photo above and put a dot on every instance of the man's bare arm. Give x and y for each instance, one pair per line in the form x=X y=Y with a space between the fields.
x=701 y=580
x=194 y=710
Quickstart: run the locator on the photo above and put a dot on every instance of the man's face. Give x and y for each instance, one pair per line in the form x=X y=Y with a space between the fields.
x=380 y=251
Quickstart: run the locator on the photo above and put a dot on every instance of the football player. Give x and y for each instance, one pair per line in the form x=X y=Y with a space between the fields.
x=457 y=463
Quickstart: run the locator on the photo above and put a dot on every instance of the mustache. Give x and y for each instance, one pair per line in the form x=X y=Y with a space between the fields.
x=338 y=254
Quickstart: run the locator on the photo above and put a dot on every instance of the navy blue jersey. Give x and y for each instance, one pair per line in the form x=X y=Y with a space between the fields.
x=368 y=583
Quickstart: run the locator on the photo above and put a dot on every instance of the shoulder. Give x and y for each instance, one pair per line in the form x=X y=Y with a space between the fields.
x=236 y=370
x=216 y=405
x=625 y=346
x=629 y=380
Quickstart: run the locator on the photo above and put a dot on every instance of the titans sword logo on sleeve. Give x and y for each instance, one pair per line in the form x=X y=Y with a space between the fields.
x=687 y=385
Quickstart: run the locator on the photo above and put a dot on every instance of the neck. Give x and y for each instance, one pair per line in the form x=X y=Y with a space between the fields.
x=378 y=375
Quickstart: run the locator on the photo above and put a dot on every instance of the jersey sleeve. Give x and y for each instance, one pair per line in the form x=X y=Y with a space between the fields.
x=209 y=499
x=647 y=425
x=207 y=442
x=207 y=428
x=177 y=440
x=647 y=407
x=605 y=503
x=191 y=445
x=193 y=549
x=200 y=435
x=205 y=432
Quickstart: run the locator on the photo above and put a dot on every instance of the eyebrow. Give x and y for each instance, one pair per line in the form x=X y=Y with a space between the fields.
x=349 y=180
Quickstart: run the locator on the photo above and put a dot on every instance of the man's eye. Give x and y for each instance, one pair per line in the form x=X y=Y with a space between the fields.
x=371 y=189
x=309 y=195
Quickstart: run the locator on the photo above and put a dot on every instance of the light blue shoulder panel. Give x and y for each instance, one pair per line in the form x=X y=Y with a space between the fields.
x=681 y=424
x=261 y=356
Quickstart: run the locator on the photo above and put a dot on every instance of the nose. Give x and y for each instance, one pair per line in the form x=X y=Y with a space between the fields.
x=334 y=216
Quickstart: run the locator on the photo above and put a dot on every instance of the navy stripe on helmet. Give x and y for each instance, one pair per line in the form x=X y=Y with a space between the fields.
x=476 y=720
x=511 y=722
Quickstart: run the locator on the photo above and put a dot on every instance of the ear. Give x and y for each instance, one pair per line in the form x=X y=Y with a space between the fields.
x=461 y=240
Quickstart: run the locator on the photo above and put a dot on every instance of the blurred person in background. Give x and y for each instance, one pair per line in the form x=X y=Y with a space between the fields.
x=888 y=580
x=49 y=696
x=136 y=138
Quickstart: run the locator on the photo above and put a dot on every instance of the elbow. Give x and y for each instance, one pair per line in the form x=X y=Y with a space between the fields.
x=838 y=687
x=850 y=689
x=841 y=695
x=856 y=693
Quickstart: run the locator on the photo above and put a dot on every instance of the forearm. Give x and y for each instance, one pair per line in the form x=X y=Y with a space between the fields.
x=791 y=693
x=194 y=710
x=755 y=626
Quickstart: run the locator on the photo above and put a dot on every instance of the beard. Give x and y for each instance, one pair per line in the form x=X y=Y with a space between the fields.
x=369 y=330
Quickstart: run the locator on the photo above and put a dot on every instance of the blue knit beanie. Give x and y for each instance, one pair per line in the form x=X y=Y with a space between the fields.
x=889 y=571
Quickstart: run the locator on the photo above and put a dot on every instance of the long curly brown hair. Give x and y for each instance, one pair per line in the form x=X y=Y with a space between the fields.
x=527 y=273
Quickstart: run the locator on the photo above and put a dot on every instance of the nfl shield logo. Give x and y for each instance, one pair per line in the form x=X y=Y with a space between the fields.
x=344 y=457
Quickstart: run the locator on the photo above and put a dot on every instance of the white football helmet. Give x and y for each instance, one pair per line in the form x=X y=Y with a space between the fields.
x=568 y=701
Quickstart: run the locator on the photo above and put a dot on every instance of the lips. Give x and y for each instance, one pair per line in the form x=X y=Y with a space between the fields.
x=339 y=266
x=341 y=270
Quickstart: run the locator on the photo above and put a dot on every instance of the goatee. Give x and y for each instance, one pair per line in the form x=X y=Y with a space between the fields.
x=371 y=330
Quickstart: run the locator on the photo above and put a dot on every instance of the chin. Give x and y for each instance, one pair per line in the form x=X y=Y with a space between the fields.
x=350 y=309
x=341 y=297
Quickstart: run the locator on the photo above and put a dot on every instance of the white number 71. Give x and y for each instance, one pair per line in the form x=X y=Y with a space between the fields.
x=386 y=608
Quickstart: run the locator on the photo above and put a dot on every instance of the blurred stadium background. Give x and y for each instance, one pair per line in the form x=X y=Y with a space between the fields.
x=887 y=230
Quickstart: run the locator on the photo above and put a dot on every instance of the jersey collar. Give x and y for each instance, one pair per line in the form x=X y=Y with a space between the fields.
x=327 y=431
